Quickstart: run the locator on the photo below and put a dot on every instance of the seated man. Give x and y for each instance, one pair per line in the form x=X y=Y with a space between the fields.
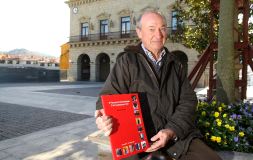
x=169 y=101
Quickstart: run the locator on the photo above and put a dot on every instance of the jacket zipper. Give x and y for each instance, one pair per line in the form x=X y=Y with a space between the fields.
x=146 y=62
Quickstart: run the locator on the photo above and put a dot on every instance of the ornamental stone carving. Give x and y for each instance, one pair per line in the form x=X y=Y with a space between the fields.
x=84 y=19
x=149 y=8
x=124 y=12
x=72 y=3
x=103 y=16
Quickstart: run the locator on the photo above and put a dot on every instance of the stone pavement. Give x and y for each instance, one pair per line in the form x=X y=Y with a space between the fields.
x=67 y=110
x=17 y=120
x=51 y=121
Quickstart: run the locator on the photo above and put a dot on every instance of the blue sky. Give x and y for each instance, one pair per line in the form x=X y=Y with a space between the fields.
x=36 y=25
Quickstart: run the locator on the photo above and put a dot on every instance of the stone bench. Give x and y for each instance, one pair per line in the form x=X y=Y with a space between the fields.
x=103 y=143
x=104 y=149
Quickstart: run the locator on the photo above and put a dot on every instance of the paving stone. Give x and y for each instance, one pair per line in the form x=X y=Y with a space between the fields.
x=4 y=155
x=17 y=120
x=11 y=158
x=5 y=144
x=84 y=91
x=61 y=137
x=23 y=151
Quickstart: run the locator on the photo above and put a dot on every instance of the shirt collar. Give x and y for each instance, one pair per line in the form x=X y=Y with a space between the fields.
x=150 y=55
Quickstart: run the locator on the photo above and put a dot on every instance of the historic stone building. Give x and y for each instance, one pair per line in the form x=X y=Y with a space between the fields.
x=101 y=29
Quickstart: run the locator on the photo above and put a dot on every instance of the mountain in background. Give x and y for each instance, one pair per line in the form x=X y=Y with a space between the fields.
x=20 y=51
x=23 y=51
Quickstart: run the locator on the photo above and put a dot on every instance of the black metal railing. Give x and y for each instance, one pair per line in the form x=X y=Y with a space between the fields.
x=111 y=36
x=103 y=36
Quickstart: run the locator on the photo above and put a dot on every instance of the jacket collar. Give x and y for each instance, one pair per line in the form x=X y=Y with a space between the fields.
x=138 y=50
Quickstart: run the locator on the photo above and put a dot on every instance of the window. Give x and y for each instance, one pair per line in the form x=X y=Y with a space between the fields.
x=174 y=21
x=104 y=29
x=125 y=26
x=85 y=31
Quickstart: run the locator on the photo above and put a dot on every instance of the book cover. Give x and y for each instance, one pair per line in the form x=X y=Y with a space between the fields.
x=128 y=136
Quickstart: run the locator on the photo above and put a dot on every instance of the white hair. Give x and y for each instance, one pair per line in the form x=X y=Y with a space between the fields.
x=138 y=24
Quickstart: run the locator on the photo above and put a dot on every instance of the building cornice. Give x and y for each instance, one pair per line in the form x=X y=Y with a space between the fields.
x=126 y=41
x=73 y=3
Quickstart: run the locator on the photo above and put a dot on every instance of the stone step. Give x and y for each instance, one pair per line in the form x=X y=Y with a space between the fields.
x=231 y=155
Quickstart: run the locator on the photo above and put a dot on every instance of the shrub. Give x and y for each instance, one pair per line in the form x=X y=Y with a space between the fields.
x=226 y=127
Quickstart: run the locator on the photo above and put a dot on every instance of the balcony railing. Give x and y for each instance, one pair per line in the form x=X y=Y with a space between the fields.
x=103 y=36
x=110 y=36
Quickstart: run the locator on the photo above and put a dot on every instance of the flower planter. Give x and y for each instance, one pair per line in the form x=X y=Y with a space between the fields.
x=231 y=155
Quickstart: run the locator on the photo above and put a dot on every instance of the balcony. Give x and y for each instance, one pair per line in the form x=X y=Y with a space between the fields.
x=113 y=36
x=104 y=36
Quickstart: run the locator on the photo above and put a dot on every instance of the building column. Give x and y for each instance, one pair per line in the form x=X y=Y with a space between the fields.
x=112 y=63
x=72 y=72
x=92 y=72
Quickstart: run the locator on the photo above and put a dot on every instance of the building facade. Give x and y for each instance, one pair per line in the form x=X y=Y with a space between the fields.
x=28 y=60
x=101 y=29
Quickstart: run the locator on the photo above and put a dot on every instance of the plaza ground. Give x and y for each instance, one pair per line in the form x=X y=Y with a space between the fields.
x=49 y=121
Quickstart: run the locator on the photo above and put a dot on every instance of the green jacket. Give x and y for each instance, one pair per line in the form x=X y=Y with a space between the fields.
x=167 y=99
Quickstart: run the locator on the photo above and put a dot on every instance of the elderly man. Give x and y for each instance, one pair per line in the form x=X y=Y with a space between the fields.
x=168 y=99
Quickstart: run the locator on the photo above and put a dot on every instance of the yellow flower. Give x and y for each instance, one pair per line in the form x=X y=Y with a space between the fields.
x=218 y=120
x=222 y=105
x=231 y=128
x=227 y=126
x=201 y=104
x=203 y=113
x=220 y=109
x=218 y=139
x=216 y=114
x=224 y=115
x=214 y=103
x=213 y=138
x=241 y=134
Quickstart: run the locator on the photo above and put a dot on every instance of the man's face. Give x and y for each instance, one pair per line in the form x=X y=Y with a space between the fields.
x=153 y=32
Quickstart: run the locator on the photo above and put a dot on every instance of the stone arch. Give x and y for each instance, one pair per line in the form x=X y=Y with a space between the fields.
x=102 y=67
x=183 y=58
x=83 y=67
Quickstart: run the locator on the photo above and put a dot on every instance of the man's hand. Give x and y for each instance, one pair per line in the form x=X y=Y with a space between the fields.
x=161 y=139
x=103 y=122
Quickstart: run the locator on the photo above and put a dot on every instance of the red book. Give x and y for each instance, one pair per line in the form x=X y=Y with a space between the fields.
x=128 y=136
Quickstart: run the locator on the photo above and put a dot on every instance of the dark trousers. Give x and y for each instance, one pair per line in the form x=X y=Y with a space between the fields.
x=198 y=150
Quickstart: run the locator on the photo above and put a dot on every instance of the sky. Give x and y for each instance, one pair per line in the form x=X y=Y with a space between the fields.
x=36 y=25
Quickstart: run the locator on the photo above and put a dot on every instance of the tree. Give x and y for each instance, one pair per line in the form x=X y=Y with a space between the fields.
x=225 y=83
x=194 y=33
x=195 y=26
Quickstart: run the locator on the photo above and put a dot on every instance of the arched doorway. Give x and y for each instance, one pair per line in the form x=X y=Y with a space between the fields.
x=102 y=67
x=83 y=69
x=182 y=58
